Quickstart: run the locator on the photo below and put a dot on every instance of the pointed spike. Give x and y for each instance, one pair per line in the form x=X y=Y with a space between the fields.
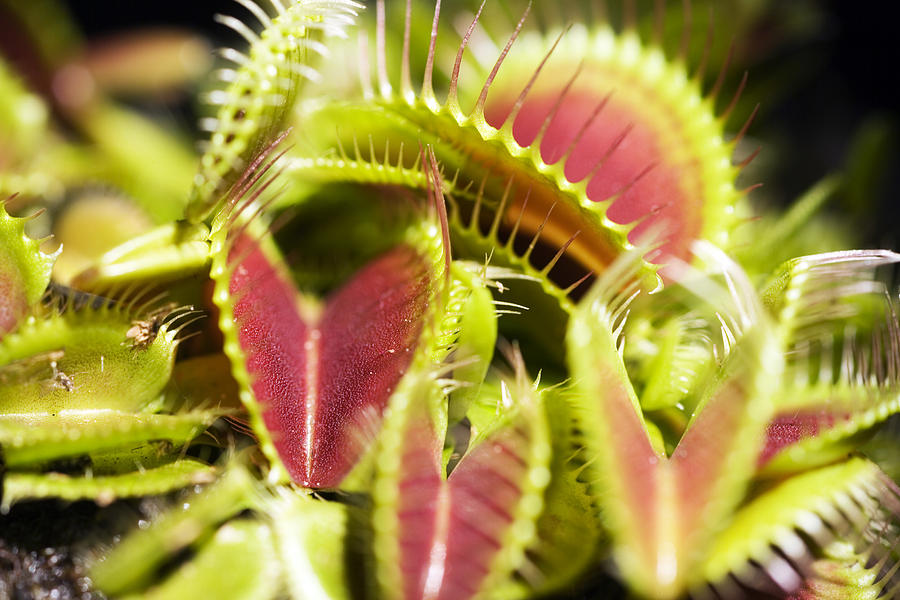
x=476 y=209
x=441 y=209
x=557 y=105
x=734 y=100
x=249 y=202
x=454 y=183
x=238 y=27
x=686 y=31
x=427 y=81
x=517 y=106
x=622 y=190
x=231 y=55
x=482 y=98
x=179 y=312
x=185 y=325
x=371 y=148
x=142 y=296
x=537 y=233
x=750 y=188
x=34 y=215
x=255 y=169
x=612 y=148
x=258 y=168
x=743 y=131
x=720 y=80
x=384 y=84
x=515 y=230
x=700 y=73
x=559 y=254
x=584 y=128
x=341 y=151
x=501 y=209
x=750 y=158
x=659 y=23
x=400 y=156
x=452 y=95
x=256 y=11
x=405 y=80
x=578 y=283
x=239 y=197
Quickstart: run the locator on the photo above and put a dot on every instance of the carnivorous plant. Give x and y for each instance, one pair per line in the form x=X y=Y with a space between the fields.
x=455 y=302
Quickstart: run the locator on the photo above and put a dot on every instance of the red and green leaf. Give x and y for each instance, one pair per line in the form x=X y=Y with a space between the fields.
x=462 y=535
x=662 y=511
x=625 y=465
x=320 y=376
x=841 y=329
x=24 y=271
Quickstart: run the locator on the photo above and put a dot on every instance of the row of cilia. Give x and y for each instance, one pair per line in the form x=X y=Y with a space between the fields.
x=484 y=329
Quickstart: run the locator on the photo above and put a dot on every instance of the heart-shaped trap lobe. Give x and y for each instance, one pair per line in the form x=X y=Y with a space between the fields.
x=323 y=380
x=455 y=536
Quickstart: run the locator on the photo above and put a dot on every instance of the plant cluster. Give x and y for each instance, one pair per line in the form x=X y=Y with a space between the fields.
x=457 y=302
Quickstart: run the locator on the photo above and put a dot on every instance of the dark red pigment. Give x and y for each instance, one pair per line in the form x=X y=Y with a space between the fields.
x=13 y=304
x=450 y=531
x=786 y=430
x=645 y=179
x=323 y=385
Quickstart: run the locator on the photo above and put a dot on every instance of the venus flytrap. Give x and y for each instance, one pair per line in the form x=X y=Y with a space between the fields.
x=83 y=404
x=262 y=90
x=462 y=534
x=659 y=511
x=703 y=438
x=76 y=388
x=841 y=378
x=546 y=147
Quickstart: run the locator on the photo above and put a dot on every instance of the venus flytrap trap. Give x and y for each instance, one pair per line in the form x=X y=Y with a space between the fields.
x=546 y=147
x=462 y=534
x=84 y=410
x=361 y=241
x=345 y=356
x=81 y=385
